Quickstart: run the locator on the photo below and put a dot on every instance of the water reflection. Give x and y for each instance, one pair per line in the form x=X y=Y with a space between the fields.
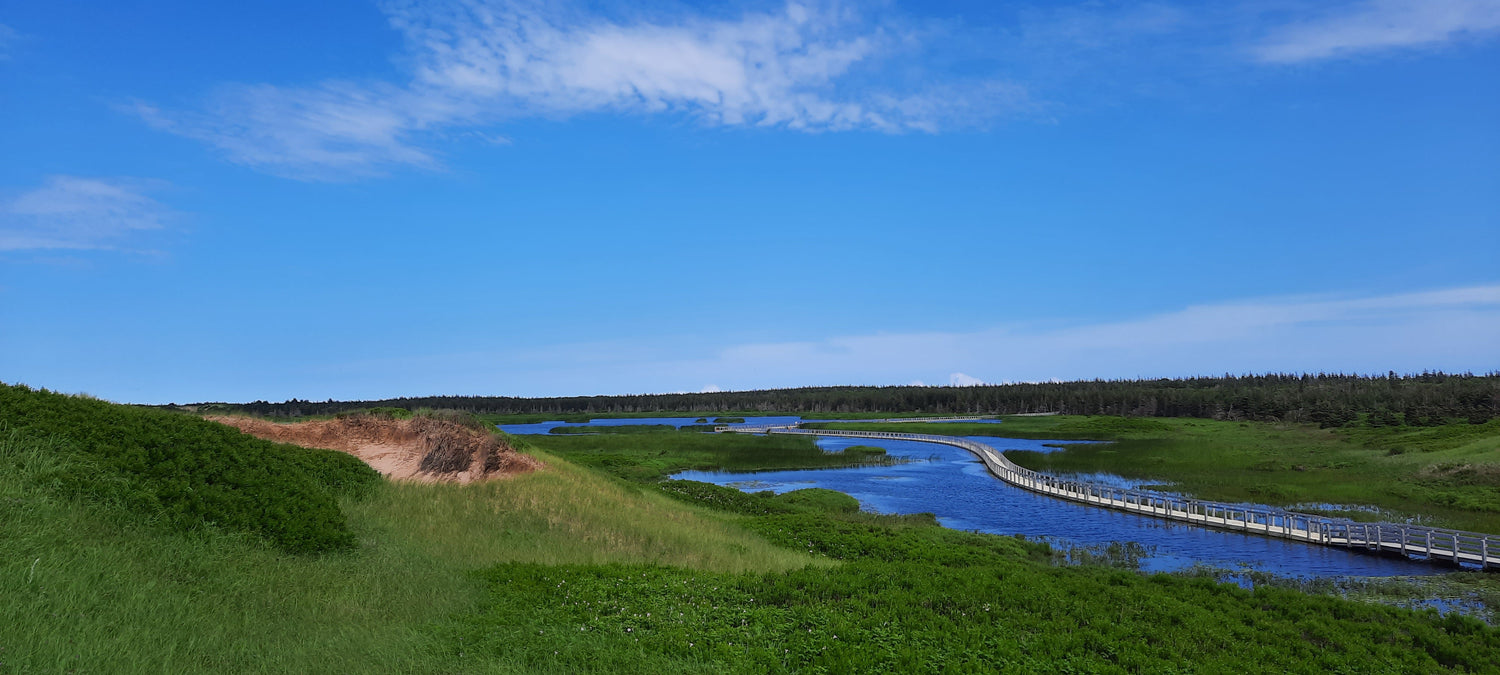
x=954 y=485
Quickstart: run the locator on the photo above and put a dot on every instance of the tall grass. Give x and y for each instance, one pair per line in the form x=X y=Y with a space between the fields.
x=563 y=515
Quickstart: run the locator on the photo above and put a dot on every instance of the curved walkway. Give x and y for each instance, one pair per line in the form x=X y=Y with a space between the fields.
x=1435 y=544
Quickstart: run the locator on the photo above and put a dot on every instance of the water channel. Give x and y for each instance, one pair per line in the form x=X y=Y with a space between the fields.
x=952 y=484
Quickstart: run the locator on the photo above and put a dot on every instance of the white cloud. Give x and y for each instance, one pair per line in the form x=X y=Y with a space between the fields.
x=823 y=66
x=336 y=131
x=68 y=212
x=1379 y=25
x=475 y=63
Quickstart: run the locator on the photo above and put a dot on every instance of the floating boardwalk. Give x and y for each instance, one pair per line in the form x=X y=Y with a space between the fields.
x=1432 y=543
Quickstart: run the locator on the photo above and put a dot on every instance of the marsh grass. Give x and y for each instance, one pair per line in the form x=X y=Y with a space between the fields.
x=648 y=457
x=622 y=429
x=913 y=597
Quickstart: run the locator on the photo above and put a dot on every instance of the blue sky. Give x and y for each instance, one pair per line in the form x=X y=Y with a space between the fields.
x=348 y=199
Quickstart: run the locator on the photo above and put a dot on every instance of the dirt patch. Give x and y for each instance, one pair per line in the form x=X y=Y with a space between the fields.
x=421 y=448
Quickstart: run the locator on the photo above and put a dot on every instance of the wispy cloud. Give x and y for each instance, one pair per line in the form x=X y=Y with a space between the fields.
x=814 y=66
x=8 y=38
x=1377 y=25
x=474 y=63
x=68 y=212
x=335 y=131
x=1452 y=329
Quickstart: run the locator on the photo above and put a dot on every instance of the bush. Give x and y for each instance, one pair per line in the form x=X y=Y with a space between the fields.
x=820 y=499
x=190 y=472
x=724 y=498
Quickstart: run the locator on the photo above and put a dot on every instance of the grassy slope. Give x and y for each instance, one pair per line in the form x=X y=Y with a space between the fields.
x=564 y=514
x=1448 y=475
x=91 y=587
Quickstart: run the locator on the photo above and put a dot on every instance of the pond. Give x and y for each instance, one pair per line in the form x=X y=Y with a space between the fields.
x=953 y=484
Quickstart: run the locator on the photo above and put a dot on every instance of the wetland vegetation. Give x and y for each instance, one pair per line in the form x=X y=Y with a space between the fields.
x=654 y=455
x=1447 y=475
x=593 y=564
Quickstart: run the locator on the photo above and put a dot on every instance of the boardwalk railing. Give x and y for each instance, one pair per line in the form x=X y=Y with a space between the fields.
x=1412 y=540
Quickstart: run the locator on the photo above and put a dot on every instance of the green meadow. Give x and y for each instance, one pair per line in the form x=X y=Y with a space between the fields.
x=592 y=564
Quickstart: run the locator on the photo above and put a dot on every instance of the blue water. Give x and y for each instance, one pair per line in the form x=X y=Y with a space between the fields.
x=954 y=485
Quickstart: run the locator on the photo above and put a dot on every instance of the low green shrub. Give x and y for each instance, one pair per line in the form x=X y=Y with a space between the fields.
x=389 y=412
x=188 y=472
x=724 y=498
x=820 y=499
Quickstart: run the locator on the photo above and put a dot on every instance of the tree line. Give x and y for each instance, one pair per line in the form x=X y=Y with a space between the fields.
x=1326 y=399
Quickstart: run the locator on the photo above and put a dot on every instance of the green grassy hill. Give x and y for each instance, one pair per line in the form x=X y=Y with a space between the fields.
x=93 y=583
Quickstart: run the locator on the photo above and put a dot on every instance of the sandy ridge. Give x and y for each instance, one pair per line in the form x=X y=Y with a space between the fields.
x=419 y=449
